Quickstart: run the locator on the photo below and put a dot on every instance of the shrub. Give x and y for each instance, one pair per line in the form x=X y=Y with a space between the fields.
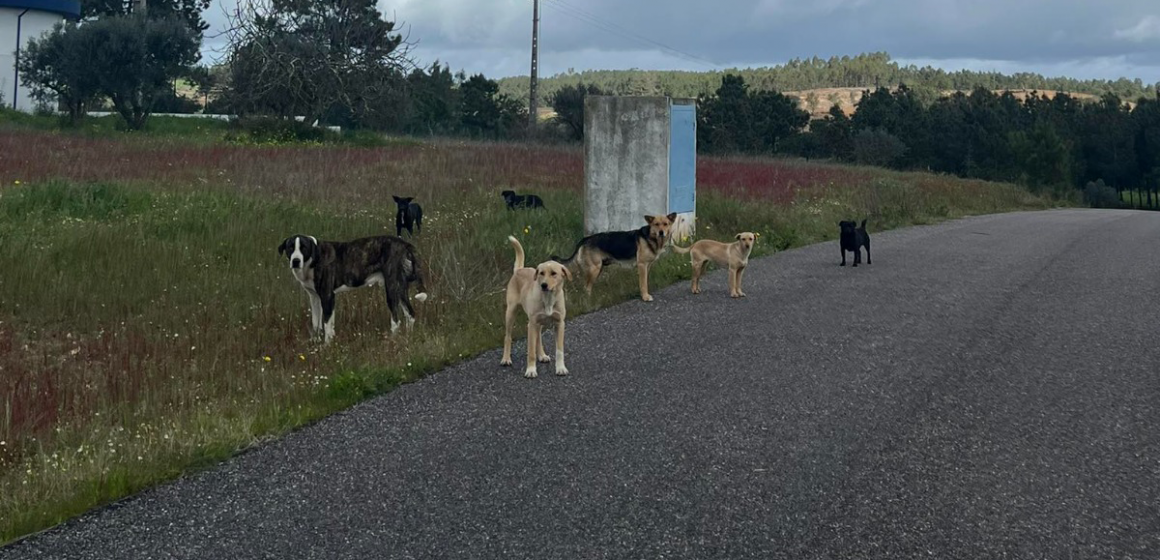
x=877 y=147
x=1098 y=195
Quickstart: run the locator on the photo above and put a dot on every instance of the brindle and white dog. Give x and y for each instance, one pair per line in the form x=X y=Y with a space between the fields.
x=327 y=268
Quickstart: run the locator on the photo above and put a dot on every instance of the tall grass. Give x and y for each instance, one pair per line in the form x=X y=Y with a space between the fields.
x=147 y=325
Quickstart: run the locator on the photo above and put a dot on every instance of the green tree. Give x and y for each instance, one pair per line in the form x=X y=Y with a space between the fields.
x=1045 y=157
x=486 y=112
x=875 y=146
x=835 y=135
x=568 y=102
x=188 y=11
x=138 y=60
x=737 y=119
x=435 y=101
x=59 y=65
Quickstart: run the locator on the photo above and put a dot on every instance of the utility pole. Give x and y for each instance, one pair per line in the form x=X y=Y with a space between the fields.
x=532 y=93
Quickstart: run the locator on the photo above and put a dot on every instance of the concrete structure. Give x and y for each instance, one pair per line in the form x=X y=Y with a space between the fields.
x=21 y=20
x=640 y=158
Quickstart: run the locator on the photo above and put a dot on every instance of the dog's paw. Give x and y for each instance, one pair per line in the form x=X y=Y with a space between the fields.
x=741 y=294
x=544 y=359
x=646 y=298
x=530 y=373
x=734 y=296
x=561 y=370
x=842 y=264
x=505 y=362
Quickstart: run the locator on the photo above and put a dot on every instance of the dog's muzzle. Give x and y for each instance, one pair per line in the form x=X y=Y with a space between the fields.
x=544 y=286
x=295 y=263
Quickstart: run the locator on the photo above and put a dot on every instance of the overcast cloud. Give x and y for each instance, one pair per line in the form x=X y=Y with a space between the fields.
x=1078 y=38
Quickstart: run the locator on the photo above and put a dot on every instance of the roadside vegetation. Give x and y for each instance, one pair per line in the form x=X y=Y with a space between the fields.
x=148 y=326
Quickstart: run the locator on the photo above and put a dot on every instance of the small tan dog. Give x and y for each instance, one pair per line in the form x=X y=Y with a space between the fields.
x=734 y=255
x=540 y=291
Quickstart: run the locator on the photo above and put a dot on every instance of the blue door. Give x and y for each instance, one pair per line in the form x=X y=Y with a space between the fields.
x=683 y=157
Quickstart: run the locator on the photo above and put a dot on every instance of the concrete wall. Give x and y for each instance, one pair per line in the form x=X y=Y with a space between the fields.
x=32 y=25
x=626 y=164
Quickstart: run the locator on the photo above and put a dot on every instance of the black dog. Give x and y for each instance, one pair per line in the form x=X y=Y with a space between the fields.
x=852 y=238
x=410 y=213
x=514 y=200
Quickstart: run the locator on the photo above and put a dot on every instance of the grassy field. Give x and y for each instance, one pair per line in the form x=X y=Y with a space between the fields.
x=148 y=326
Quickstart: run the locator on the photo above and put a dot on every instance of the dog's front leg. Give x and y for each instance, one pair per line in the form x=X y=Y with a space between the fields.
x=509 y=317
x=328 y=318
x=740 y=274
x=533 y=338
x=315 y=315
x=733 y=289
x=867 y=251
x=541 y=355
x=857 y=255
x=642 y=270
x=561 y=369
x=843 y=256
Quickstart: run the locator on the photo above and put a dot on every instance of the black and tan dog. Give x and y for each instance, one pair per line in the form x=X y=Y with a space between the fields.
x=327 y=268
x=734 y=255
x=409 y=216
x=514 y=200
x=852 y=237
x=540 y=292
x=639 y=248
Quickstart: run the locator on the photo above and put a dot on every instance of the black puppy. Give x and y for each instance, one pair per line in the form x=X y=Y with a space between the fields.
x=410 y=213
x=852 y=238
x=514 y=200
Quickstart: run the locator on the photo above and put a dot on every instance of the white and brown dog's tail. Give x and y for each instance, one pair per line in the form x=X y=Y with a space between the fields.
x=519 y=253
x=680 y=250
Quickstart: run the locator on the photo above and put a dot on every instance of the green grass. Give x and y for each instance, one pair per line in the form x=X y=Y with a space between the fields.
x=150 y=328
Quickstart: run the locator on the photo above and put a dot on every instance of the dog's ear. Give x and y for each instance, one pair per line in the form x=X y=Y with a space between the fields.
x=396 y=198
x=567 y=273
x=672 y=217
x=738 y=237
x=649 y=219
x=282 y=246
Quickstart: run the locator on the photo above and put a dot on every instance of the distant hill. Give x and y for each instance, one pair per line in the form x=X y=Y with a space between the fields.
x=823 y=82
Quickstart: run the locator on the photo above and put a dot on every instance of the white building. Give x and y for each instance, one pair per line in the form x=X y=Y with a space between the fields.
x=21 y=20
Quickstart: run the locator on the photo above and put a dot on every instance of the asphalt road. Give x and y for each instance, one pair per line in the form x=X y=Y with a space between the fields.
x=988 y=388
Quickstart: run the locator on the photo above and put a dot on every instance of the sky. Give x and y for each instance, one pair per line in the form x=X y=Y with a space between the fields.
x=1104 y=39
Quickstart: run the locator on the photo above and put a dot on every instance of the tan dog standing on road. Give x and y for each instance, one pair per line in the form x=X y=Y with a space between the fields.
x=734 y=255
x=540 y=291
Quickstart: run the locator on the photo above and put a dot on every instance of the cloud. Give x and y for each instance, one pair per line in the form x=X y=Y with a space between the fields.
x=1146 y=30
x=494 y=36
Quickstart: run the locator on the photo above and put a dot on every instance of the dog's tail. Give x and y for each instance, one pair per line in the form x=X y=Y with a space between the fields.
x=863 y=226
x=679 y=249
x=519 y=253
x=571 y=257
x=415 y=274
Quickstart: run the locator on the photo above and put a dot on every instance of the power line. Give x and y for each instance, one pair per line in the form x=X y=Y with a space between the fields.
x=618 y=30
